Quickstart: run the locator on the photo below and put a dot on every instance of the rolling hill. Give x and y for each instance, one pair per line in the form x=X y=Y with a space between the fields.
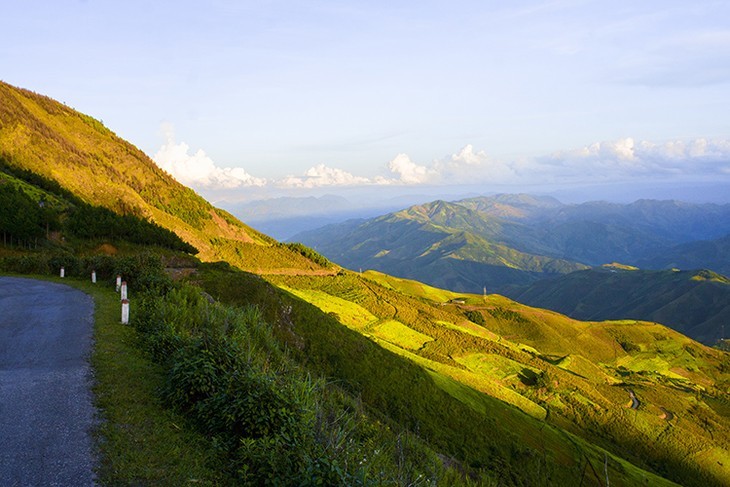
x=437 y=386
x=509 y=240
x=444 y=244
x=696 y=303
x=711 y=254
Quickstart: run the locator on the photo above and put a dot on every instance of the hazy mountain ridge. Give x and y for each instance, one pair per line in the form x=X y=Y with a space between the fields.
x=534 y=234
x=444 y=244
x=713 y=254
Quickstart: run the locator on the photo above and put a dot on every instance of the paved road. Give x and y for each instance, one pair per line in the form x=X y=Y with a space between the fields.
x=46 y=411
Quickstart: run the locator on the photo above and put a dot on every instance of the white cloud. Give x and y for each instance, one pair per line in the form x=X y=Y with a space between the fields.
x=468 y=157
x=321 y=175
x=626 y=158
x=409 y=172
x=617 y=160
x=199 y=170
x=468 y=166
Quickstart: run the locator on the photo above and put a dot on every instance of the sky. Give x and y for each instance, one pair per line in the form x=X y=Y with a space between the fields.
x=257 y=98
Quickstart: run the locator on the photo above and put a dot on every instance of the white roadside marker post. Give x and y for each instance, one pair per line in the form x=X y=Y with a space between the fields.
x=124 y=290
x=93 y=277
x=63 y=272
x=125 y=311
x=119 y=282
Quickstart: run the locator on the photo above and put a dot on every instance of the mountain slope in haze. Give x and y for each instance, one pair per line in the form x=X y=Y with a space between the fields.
x=441 y=243
x=507 y=240
x=711 y=254
x=696 y=303
x=41 y=135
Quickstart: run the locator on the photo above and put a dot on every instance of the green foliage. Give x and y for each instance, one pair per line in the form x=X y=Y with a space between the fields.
x=475 y=317
x=95 y=222
x=310 y=254
x=143 y=271
x=23 y=219
x=272 y=423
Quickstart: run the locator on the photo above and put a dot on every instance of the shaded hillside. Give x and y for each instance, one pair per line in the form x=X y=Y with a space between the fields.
x=696 y=303
x=45 y=137
x=711 y=254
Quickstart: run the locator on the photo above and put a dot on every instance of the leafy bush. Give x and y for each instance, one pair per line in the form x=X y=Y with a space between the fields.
x=309 y=253
x=93 y=222
x=273 y=424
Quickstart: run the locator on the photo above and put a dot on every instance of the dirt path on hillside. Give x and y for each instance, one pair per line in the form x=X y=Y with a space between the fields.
x=46 y=410
x=634 y=400
x=295 y=272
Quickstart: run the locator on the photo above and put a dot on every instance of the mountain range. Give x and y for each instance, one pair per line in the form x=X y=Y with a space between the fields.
x=479 y=388
x=504 y=241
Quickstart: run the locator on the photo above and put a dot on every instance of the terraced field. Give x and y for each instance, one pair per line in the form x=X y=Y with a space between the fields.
x=575 y=375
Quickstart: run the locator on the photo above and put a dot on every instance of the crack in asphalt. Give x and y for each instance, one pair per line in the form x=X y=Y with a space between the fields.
x=46 y=407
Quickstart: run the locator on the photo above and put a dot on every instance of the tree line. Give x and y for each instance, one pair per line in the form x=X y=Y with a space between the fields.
x=25 y=220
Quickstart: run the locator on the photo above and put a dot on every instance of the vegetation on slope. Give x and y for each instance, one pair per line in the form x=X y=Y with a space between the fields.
x=507 y=240
x=45 y=138
x=696 y=303
x=574 y=375
x=450 y=391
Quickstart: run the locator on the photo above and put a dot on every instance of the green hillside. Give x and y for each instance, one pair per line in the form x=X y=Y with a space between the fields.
x=696 y=303
x=573 y=375
x=444 y=244
x=47 y=138
x=304 y=373
x=512 y=240
x=710 y=254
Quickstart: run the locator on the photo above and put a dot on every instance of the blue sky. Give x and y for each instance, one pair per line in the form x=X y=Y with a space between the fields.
x=280 y=94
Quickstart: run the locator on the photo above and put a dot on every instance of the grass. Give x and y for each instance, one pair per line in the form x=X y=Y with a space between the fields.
x=584 y=370
x=347 y=312
x=139 y=442
x=399 y=334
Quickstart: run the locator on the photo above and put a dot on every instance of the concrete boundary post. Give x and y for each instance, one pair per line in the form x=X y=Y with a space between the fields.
x=119 y=283
x=125 y=311
x=123 y=289
x=63 y=272
x=93 y=277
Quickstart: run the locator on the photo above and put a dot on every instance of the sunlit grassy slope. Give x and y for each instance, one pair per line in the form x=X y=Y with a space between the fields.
x=50 y=139
x=572 y=374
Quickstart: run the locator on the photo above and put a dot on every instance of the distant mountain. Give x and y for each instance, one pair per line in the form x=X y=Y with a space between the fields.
x=696 y=303
x=287 y=216
x=713 y=254
x=443 y=244
x=507 y=240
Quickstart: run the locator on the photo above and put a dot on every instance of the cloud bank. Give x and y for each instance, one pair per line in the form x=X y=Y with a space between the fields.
x=622 y=159
x=198 y=170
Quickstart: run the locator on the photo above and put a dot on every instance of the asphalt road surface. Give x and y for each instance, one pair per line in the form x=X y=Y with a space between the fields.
x=46 y=411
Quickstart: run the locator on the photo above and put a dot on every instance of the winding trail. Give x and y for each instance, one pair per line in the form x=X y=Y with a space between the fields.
x=46 y=411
